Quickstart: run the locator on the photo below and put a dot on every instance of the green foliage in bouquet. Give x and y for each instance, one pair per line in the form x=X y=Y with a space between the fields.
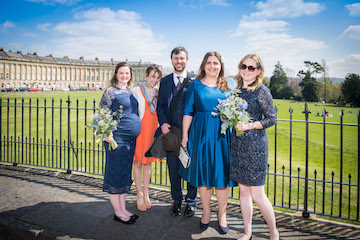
x=104 y=121
x=231 y=111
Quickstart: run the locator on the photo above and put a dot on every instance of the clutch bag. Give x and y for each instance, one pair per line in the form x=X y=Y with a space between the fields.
x=184 y=157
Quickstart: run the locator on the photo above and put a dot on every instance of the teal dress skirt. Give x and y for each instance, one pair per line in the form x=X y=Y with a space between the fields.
x=208 y=148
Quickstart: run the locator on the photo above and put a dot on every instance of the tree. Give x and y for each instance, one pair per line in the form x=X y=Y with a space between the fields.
x=308 y=83
x=277 y=81
x=286 y=92
x=333 y=92
x=326 y=80
x=266 y=82
x=351 y=89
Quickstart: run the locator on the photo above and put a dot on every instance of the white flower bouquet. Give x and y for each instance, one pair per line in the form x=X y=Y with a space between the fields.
x=231 y=111
x=103 y=123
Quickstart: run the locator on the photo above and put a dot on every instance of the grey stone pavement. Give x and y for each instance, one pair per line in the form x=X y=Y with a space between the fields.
x=44 y=204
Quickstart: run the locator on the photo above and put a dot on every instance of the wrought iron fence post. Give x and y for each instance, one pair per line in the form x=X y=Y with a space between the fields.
x=341 y=113
x=275 y=156
x=69 y=136
x=306 y=112
x=358 y=186
x=1 y=130
x=290 y=170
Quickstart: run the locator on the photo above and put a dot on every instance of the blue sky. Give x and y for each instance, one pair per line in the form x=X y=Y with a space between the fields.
x=289 y=31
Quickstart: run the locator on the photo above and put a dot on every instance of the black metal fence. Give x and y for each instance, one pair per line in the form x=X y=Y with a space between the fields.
x=309 y=175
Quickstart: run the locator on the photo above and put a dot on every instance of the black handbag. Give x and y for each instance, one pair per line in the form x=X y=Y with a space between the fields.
x=156 y=149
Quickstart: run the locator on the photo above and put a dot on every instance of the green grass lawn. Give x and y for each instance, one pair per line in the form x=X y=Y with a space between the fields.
x=47 y=126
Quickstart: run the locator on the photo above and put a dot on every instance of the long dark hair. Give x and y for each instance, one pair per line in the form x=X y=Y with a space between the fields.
x=114 y=80
x=221 y=81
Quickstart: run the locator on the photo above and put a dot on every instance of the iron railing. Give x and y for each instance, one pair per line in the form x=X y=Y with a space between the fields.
x=55 y=136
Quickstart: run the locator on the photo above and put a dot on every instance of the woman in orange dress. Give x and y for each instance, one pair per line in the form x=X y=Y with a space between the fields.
x=146 y=94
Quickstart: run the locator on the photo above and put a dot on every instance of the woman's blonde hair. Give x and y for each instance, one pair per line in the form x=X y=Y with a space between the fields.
x=259 y=78
x=221 y=81
x=114 y=80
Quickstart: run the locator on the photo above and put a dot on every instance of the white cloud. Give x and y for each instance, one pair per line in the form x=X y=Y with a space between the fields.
x=107 y=34
x=271 y=40
x=181 y=4
x=44 y=26
x=7 y=25
x=54 y=2
x=260 y=26
x=352 y=32
x=285 y=8
x=343 y=66
x=354 y=9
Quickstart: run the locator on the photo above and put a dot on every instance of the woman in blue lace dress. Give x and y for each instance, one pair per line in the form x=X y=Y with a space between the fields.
x=249 y=152
x=117 y=177
x=208 y=148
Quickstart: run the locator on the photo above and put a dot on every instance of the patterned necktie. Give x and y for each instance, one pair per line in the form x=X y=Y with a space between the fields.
x=179 y=83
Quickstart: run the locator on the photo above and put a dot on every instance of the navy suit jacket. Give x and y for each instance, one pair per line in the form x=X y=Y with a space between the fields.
x=167 y=93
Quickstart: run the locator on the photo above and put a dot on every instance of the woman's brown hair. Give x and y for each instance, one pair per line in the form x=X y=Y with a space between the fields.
x=114 y=80
x=155 y=68
x=221 y=82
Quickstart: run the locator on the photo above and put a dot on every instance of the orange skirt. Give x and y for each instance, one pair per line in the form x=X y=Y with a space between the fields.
x=149 y=124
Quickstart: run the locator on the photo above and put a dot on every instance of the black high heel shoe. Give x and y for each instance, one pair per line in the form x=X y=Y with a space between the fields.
x=130 y=221
x=134 y=217
x=203 y=226
x=224 y=230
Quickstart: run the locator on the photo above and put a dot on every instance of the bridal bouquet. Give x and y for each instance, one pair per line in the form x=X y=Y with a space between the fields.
x=231 y=111
x=103 y=123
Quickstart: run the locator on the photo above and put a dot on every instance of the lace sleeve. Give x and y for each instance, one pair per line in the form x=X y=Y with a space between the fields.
x=267 y=107
x=107 y=98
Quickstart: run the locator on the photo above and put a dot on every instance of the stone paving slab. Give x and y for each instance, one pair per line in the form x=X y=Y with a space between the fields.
x=44 y=204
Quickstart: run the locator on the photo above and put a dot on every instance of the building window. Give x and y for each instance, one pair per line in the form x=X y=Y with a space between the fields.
x=7 y=75
x=1 y=75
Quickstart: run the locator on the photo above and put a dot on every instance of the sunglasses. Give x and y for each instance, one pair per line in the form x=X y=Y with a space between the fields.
x=156 y=66
x=250 y=68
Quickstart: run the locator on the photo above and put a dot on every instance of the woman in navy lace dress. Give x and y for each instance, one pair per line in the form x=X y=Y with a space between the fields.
x=117 y=177
x=249 y=152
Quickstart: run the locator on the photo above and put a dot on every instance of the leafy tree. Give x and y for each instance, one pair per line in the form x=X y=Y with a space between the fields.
x=266 y=82
x=333 y=91
x=351 y=89
x=326 y=81
x=309 y=85
x=277 y=81
x=286 y=92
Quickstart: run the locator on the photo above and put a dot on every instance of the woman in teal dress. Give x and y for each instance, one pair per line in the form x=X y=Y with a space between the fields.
x=208 y=148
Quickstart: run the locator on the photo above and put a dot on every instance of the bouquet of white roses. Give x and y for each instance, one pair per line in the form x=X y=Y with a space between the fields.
x=103 y=123
x=231 y=111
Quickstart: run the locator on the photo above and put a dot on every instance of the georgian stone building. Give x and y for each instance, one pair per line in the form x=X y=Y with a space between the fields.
x=18 y=70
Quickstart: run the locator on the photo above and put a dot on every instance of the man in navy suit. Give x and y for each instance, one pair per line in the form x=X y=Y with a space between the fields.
x=169 y=87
